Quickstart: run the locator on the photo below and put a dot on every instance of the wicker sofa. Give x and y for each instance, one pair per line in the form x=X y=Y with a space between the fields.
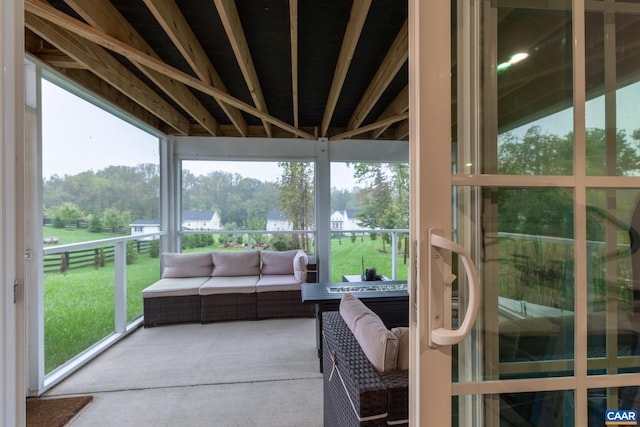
x=356 y=393
x=215 y=286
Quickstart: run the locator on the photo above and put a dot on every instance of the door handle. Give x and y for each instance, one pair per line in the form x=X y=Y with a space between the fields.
x=440 y=278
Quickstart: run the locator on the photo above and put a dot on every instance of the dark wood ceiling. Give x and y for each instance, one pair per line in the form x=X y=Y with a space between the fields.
x=306 y=68
x=254 y=68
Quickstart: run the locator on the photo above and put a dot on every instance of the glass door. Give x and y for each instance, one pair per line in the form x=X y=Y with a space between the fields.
x=525 y=152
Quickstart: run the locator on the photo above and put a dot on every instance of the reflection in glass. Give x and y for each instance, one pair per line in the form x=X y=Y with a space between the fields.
x=531 y=409
x=534 y=95
x=527 y=272
x=612 y=280
x=612 y=91
x=601 y=400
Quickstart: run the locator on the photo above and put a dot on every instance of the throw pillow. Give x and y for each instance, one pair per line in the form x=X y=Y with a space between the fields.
x=300 y=262
x=274 y=262
x=403 y=347
x=245 y=263
x=186 y=265
x=378 y=343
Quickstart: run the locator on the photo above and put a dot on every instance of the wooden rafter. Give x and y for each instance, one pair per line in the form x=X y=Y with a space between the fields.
x=105 y=17
x=400 y=104
x=85 y=31
x=108 y=68
x=293 y=25
x=359 y=11
x=233 y=27
x=364 y=129
x=170 y=17
x=393 y=61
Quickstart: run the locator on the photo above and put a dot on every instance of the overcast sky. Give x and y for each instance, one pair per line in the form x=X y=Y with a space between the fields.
x=78 y=136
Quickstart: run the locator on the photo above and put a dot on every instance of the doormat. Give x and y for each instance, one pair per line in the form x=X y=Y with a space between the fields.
x=54 y=412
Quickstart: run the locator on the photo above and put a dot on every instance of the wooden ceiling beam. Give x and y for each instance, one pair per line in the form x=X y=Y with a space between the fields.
x=393 y=61
x=357 y=18
x=108 y=68
x=293 y=26
x=105 y=17
x=58 y=59
x=50 y=14
x=170 y=17
x=400 y=104
x=233 y=26
x=402 y=130
x=364 y=129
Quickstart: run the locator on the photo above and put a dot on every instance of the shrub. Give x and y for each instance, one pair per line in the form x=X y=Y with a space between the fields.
x=57 y=222
x=282 y=243
x=131 y=252
x=154 y=248
x=95 y=224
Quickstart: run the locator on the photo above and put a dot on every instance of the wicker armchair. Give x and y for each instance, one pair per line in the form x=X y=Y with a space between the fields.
x=355 y=394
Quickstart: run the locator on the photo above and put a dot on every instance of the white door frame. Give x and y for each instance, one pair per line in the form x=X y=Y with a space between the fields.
x=430 y=141
x=12 y=387
x=431 y=179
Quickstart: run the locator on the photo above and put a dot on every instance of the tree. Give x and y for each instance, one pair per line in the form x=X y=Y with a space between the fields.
x=295 y=194
x=549 y=211
x=385 y=198
x=68 y=212
x=112 y=220
x=538 y=153
x=95 y=224
x=342 y=199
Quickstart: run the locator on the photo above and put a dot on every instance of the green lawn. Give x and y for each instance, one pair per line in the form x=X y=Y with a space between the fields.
x=347 y=257
x=66 y=236
x=79 y=306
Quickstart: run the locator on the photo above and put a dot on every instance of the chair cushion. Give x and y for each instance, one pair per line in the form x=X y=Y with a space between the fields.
x=278 y=282
x=229 y=285
x=244 y=263
x=186 y=265
x=174 y=287
x=274 y=262
x=378 y=343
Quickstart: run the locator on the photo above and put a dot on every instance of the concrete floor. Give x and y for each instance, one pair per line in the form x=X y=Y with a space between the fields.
x=262 y=373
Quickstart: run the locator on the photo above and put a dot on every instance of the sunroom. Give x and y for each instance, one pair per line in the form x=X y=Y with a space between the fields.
x=160 y=141
x=523 y=150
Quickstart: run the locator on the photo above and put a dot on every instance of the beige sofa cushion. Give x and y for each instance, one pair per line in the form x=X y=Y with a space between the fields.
x=402 y=333
x=278 y=282
x=186 y=265
x=378 y=343
x=277 y=262
x=174 y=287
x=244 y=263
x=229 y=285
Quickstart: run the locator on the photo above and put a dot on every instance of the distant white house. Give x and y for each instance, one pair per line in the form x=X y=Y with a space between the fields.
x=191 y=220
x=201 y=220
x=346 y=220
x=277 y=221
x=144 y=226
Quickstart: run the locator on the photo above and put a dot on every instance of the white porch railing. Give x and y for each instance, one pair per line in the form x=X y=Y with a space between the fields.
x=121 y=326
